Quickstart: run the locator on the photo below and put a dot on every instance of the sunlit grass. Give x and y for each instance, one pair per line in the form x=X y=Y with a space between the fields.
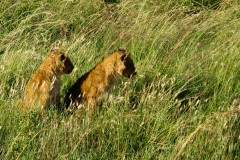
x=180 y=106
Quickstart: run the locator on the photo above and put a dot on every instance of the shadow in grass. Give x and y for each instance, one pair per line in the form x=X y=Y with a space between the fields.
x=112 y=1
x=1 y=52
x=198 y=5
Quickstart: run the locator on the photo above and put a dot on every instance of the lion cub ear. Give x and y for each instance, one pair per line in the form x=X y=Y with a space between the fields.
x=125 y=54
x=122 y=50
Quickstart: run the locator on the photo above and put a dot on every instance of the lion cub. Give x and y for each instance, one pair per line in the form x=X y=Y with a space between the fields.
x=44 y=85
x=91 y=87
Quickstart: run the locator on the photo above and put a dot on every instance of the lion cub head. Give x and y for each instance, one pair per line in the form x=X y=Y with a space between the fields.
x=60 y=62
x=125 y=65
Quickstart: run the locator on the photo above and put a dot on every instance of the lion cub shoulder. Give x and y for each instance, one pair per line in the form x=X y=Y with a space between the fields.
x=44 y=85
x=91 y=86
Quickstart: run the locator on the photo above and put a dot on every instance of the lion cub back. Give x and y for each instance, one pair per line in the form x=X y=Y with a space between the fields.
x=44 y=85
x=91 y=87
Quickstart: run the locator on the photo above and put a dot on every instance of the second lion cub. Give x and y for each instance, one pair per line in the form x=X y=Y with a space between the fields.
x=91 y=87
x=44 y=85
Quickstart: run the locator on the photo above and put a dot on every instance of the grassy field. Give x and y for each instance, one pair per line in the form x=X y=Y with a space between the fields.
x=179 y=106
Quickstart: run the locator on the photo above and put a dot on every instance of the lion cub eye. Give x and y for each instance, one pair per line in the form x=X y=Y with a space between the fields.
x=62 y=57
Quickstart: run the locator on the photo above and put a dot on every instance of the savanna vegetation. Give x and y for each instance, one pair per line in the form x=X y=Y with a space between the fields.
x=179 y=106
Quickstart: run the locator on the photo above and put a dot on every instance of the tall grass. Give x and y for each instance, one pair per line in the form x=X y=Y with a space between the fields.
x=178 y=107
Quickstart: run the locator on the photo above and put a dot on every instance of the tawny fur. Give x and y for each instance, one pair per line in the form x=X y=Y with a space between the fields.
x=44 y=85
x=91 y=87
